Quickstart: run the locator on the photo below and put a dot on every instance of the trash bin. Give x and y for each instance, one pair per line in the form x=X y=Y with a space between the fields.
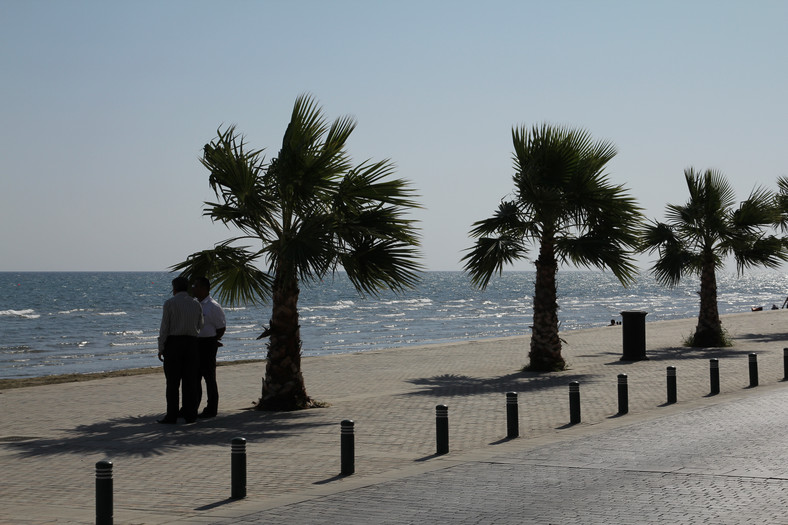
x=634 y=330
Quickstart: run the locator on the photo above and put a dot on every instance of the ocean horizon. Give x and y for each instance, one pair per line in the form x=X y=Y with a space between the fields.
x=80 y=322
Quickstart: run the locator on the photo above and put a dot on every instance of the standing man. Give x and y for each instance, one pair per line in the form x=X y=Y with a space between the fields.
x=181 y=321
x=208 y=343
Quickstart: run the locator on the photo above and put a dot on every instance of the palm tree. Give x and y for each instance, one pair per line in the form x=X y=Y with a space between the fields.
x=306 y=213
x=564 y=203
x=700 y=234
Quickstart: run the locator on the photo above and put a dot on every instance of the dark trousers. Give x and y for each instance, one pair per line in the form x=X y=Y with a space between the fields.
x=207 y=347
x=181 y=368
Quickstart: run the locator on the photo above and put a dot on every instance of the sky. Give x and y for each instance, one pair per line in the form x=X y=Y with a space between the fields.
x=106 y=106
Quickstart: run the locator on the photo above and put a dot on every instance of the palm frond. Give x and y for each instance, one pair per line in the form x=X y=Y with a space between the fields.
x=383 y=222
x=655 y=235
x=306 y=251
x=600 y=249
x=489 y=255
x=236 y=177
x=781 y=202
x=234 y=278
x=376 y=264
x=768 y=251
x=674 y=263
x=367 y=184
x=758 y=210
x=506 y=220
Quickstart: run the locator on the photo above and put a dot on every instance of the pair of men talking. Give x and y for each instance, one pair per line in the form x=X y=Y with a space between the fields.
x=189 y=337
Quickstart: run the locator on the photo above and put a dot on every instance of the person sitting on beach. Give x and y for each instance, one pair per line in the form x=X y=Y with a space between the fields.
x=208 y=342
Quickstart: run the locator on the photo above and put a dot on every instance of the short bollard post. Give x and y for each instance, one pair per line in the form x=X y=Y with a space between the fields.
x=714 y=376
x=753 y=370
x=574 y=402
x=238 y=468
x=104 y=506
x=512 y=416
x=672 y=385
x=348 y=447
x=442 y=429
x=785 y=364
x=623 y=394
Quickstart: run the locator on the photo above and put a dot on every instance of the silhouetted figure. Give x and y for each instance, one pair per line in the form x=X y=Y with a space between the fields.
x=208 y=343
x=181 y=321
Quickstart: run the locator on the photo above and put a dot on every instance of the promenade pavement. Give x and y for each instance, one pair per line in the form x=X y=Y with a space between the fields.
x=680 y=463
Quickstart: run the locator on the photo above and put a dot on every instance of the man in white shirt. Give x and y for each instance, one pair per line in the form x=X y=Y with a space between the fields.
x=181 y=322
x=208 y=342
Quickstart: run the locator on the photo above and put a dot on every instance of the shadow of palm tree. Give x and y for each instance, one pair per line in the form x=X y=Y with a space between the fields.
x=142 y=436
x=460 y=385
x=677 y=353
x=764 y=338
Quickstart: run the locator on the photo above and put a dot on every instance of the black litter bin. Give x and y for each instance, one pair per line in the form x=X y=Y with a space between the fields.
x=634 y=330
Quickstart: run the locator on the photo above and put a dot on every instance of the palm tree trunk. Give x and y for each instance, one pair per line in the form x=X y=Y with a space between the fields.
x=283 y=385
x=545 y=355
x=709 y=329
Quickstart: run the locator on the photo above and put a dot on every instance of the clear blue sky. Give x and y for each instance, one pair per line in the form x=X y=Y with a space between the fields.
x=106 y=106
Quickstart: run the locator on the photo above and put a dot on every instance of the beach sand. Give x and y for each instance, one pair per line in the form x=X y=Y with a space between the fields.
x=53 y=434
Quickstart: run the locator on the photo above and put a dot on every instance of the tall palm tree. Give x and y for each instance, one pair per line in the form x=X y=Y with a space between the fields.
x=303 y=215
x=564 y=203
x=699 y=235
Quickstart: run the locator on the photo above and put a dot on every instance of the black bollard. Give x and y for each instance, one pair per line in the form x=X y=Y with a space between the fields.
x=238 y=468
x=104 y=506
x=512 y=416
x=785 y=364
x=442 y=429
x=753 y=370
x=348 y=447
x=714 y=376
x=574 y=402
x=623 y=394
x=672 y=385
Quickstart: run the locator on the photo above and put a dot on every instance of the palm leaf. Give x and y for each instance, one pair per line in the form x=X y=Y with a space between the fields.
x=376 y=264
x=234 y=278
x=489 y=255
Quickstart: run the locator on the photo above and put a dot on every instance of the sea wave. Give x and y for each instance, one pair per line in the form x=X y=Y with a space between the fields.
x=24 y=314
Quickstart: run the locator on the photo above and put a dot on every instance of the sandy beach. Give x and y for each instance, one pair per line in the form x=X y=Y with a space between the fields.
x=52 y=435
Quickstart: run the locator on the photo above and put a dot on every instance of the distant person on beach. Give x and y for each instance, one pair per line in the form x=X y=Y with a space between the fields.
x=208 y=342
x=181 y=321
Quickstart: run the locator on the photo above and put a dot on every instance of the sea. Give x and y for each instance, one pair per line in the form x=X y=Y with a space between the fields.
x=81 y=322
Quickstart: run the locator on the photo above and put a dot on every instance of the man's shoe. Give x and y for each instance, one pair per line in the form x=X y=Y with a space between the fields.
x=206 y=414
x=167 y=421
x=191 y=420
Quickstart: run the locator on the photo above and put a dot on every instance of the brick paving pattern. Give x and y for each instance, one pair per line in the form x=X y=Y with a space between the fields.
x=638 y=468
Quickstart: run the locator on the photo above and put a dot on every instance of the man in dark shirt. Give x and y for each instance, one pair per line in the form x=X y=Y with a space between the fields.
x=181 y=321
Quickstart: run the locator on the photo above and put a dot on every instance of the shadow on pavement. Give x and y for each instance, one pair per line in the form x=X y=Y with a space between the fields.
x=142 y=436
x=460 y=385
x=679 y=353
